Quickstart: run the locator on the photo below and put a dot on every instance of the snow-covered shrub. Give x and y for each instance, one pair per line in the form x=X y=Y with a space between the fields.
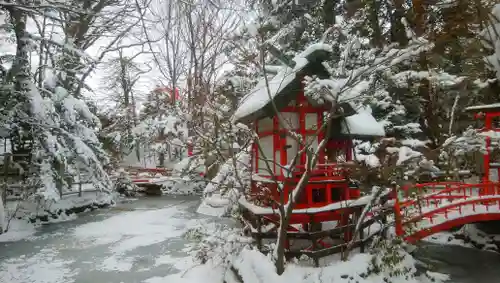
x=220 y=196
x=124 y=184
x=186 y=185
x=219 y=243
x=390 y=258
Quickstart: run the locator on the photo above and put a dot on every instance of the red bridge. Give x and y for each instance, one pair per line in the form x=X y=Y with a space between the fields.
x=437 y=207
x=426 y=209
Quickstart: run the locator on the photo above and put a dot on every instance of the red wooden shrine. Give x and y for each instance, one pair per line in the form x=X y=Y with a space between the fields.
x=328 y=184
x=329 y=193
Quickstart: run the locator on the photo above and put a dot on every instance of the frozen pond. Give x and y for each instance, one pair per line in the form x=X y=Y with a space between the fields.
x=133 y=242
x=465 y=265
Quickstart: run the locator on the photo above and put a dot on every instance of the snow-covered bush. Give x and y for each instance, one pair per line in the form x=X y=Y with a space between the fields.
x=218 y=243
x=124 y=184
x=390 y=258
x=221 y=195
x=186 y=185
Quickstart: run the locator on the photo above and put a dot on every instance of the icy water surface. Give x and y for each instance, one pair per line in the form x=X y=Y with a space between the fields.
x=142 y=241
x=132 y=242
x=464 y=265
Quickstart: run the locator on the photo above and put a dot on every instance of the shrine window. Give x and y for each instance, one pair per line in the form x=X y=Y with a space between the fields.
x=265 y=125
x=318 y=195
x=311 y=121
x=266 y=155
x=290 y=120
x=336 y=194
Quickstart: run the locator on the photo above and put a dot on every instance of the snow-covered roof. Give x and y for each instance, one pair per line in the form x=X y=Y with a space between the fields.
x=483 y=107
x=261 y=95
x=362 y=124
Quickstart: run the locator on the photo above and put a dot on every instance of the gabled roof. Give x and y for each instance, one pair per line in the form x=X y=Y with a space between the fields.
x=284 y=85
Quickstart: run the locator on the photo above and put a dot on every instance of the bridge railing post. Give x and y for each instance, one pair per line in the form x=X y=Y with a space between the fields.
x=397 y=213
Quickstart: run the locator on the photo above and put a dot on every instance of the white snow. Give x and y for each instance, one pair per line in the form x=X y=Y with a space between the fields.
x=362 y=123
x=258 y=210
x=254 y=267
x=406 y=154
x=466 y=210
x=261 y=95
x=18 y=230
x=370 y=160
x=484 y=106
x=206 y=273
x=315 y=47
x=470 y=232
x=44 y=267
x=214 y=205
x=118 y=242
x=490 y=134
x=446 y=238
x=42 y=207
x=130 y=230
x=223 y=191
x=414 y=143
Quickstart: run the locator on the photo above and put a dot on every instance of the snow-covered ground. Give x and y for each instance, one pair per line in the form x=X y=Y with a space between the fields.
x=57 y=210
x=469 y=236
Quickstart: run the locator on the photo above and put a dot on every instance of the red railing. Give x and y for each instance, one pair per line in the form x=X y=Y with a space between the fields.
x=434 y=207
x=327 y=182
x=150 y=173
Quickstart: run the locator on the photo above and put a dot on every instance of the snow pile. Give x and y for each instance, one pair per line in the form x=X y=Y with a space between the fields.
x=187 y=185
x=362 y=124
x=223 y=192
x=469 y=236
x=254 y=267
x=18 y=229
x=189 y=165
x=216 y=243
x=50 y=210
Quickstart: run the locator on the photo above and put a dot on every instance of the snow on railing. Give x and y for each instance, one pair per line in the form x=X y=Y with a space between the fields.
x=440 y=206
